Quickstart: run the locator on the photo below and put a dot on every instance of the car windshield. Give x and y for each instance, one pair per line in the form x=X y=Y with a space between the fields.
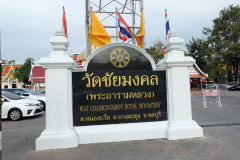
x=11 y=96
x=31 y=91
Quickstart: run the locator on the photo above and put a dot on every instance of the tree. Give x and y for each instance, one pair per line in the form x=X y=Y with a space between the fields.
x=22 y=73
x=155 y=51
x=199 y=49
x=224 y=37
x=218 y=53
x=196 y=49
x=9 y=62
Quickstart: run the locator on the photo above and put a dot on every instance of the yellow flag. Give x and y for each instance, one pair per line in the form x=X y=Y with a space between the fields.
x=100 y=37
x=140 y=35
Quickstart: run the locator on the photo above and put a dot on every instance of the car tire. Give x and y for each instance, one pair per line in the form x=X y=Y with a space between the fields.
x=15 y=114
x=44 y=105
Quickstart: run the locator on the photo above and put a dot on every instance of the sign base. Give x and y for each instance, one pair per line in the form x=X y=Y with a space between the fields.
x=59 y=138
x=182 y=130
x=121 y=132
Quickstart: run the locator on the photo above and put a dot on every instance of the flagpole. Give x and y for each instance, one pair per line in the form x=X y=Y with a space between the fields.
x=133 y=18
x=116 y=26
x=143 y=37
x=91 y=8
x=143 y=42
x=165 y=22
x=86 y=28
x=62 y=25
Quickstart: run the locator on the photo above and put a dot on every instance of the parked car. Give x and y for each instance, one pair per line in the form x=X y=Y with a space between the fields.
x=43 y=92
x=233 y=87
x=24 y=92
x=15 y=107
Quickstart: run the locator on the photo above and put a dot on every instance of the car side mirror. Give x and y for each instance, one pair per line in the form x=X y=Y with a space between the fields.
x=2 y=99
x=25 y=94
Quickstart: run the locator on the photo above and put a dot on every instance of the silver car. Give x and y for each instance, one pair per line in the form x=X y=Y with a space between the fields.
x=28 y=93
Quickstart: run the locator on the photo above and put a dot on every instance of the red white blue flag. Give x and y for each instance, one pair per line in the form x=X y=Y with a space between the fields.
x=124 y=31
x=167 y=24
x=167 y=29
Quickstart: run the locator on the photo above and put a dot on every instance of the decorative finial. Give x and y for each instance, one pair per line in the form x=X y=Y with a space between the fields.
x=172 y=33
x=173 y=42
x=59 y=32
x=59 y=42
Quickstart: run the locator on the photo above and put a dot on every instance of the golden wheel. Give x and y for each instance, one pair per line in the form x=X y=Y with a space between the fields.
x=119 y=58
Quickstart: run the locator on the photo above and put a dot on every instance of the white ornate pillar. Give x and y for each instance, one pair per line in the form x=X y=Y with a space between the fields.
x=180 y=123
x=59 y=132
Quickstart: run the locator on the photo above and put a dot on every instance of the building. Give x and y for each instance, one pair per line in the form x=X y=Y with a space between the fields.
x=37 y=78
x=197 y=77
x=37 y=74
x=8 y=80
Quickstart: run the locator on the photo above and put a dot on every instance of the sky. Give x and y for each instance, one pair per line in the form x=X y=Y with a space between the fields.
x=27 y=25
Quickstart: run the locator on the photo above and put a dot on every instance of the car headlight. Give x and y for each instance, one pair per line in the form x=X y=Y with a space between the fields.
x=29 y=104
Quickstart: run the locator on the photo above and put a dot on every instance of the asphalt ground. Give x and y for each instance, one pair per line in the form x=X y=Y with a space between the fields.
x=221 y=139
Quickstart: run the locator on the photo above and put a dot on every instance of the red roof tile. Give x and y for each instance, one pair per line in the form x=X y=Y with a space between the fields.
x=197 y=76
x=38 y=74
x=6 y=69
x=38 y=71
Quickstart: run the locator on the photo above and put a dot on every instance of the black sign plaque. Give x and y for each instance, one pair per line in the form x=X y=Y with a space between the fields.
x=119 y=86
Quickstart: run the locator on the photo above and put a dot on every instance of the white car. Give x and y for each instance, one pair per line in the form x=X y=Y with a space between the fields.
x=28 y=93
x=15 y=107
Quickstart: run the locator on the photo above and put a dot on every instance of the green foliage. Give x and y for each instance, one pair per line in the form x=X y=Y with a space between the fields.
x=9 y=62
x=196 y=48
x=12 y=62
x=224 y=37
x=22 y=73
x=221 y=47
x=155 y=51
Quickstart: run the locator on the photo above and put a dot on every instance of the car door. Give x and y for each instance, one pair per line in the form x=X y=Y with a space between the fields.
x=5 y=107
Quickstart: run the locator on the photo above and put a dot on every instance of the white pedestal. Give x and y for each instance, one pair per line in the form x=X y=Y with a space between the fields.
x=180 y=123
x=59 y=132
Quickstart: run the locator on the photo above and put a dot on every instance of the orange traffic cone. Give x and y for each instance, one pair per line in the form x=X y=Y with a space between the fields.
x=201 y=92
x=195 y=93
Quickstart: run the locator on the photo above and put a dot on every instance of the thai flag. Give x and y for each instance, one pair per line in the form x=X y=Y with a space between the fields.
x=167 y=29
x=124 y=31
x=167 y=24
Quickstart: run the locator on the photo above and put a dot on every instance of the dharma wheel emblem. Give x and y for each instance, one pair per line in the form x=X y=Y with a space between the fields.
x=119 y=58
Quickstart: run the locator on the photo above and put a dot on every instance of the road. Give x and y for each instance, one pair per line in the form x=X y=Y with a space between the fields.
x=221 y=138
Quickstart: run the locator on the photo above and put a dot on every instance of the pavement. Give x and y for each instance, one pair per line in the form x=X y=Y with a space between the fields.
x=221 y=139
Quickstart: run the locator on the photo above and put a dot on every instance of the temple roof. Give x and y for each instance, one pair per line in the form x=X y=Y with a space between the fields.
x=6 y=68
x=195 y=72
x=37 y=74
